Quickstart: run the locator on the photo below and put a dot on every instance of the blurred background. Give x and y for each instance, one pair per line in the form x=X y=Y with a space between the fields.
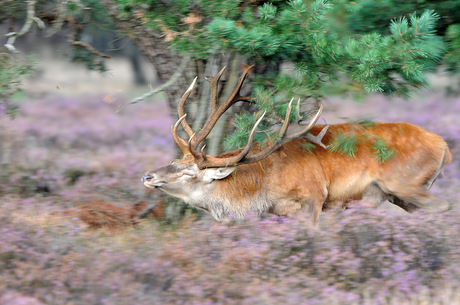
x=88 y=93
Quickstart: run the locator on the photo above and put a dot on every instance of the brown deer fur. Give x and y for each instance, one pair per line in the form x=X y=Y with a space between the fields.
x=292 y=179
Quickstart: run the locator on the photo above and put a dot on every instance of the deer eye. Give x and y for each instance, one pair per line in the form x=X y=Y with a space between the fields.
x=188 y=173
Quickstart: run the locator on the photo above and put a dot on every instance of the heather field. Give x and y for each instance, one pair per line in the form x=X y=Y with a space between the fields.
x=67 y=153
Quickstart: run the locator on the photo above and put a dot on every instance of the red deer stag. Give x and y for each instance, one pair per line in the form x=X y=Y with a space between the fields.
x=283 y=178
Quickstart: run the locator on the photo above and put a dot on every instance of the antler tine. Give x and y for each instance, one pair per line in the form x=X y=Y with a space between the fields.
x=196 y=155
x=285 y=125
x=305 y=131
x=203 y=155
x=307 y=127
x=232 y=161
x=248 y=146
x=242 y=158
x=318 y=138
x=217 y=112
x=285 y=139
x=275 y=145
x=298 y=117
x=214 y=82
x=180 y=107
x=178 y=140
x=235 y=97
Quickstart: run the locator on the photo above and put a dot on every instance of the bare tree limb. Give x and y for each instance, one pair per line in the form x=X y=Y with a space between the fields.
x=89 y=48
x=62 y=15
x=214 y=141
x=146 y=211
x=172 y=80
x=31 y=18
x=155 y=49
x=201 y=112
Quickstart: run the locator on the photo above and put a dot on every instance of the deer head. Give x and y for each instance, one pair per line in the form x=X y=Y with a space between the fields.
x=192 y=176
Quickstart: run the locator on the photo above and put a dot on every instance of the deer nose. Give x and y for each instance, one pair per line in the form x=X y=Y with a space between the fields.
x=147 y=177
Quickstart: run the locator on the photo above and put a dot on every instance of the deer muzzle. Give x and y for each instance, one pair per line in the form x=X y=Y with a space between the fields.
x=151 y=180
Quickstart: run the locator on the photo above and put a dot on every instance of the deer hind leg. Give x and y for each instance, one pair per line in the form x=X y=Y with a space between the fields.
x=422 y=200
x=407 y=206
x=413 y=197
x=374 y=196
x=411 y=192
x=430 y=181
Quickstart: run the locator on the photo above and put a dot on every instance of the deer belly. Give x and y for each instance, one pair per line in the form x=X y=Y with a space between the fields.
x=350 y=187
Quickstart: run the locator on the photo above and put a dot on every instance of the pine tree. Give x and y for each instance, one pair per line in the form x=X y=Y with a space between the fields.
x=300 y=34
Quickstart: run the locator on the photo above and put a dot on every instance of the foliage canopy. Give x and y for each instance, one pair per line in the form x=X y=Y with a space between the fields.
x=303 y=34
x=297 y=43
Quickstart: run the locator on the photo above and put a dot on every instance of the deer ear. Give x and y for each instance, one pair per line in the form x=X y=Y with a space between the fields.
x=212 y=174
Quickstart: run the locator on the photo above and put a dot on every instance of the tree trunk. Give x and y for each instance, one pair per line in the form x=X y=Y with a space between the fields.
x=154 y=48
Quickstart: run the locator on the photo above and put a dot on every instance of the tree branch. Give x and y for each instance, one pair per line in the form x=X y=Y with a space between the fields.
x=172 y=80
x=146 y=211
x=62 y=15
x=25 y=28
x=89 y=48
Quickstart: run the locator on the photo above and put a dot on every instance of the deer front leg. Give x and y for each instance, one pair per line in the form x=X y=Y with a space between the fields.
x=286 y=207
x=315 y=208
x=290 y=207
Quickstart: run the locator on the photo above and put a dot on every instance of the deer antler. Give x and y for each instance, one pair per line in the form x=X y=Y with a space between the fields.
x=216 y=111
x=288 y=138
x=180 y=108
x=315 y=139
x=206 y=161
x=178 y=140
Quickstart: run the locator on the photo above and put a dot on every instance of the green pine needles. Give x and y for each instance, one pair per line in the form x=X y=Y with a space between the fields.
x=373 y=63
x=12 y=72
x=346 y=144
x=308 y=146
x=318 y=57
x=381 y=151
x=240 y=137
